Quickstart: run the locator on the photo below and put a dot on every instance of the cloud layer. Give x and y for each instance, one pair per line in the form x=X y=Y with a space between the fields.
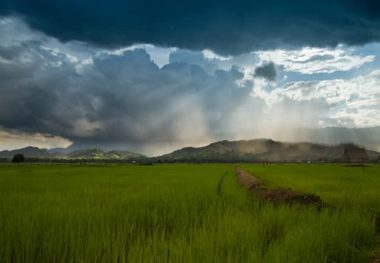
x=114 y=98
x=224 y=26
x=353 y=103
x=154 y=100
x=316 y=60
x=13 y=139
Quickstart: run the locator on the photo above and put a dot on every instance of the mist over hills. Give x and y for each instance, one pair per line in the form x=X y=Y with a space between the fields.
x=257 y=150
x=262 y=150
x=367 y=137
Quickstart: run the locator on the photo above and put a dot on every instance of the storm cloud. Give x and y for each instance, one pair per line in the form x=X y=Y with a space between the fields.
x=224 y=26
x=153 y=100
x=115 y=99
x=266 y=71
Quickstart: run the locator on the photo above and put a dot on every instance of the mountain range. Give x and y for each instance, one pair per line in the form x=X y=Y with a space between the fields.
x=61 y=153
x=258 y=150
x=262 y=150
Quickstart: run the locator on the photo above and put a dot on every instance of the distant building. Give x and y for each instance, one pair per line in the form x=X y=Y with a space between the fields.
x=355 y=154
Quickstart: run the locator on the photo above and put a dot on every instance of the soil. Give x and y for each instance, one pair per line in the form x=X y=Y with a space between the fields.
x=278 y=195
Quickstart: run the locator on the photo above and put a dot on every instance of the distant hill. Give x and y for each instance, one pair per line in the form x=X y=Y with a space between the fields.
x=30 y=151
x=260 y=150
x=88 y=154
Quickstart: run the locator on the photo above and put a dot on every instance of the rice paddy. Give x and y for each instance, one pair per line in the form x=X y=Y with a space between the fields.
x=184 y=213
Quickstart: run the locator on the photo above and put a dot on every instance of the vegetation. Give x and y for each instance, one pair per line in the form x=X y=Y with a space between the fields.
x=183 y=213
x=18 y=158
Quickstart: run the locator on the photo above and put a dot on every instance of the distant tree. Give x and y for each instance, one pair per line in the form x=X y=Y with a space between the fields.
x=18 y=158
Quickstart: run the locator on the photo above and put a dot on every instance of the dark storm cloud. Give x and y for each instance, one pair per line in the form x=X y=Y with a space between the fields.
x=267 y=71
x=30 y=86
x=225 y=26
x=123 y=98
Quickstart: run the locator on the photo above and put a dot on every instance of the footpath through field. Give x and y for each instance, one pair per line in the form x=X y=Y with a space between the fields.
x=278 y=195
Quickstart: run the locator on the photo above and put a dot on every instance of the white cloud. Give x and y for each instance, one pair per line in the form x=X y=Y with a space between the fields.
x=209 y=54
x=16 y=139
x=159 y=55
x=316 y=60
x=351 y=102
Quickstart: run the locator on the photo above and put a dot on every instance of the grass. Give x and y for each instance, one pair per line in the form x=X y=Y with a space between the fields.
x=344 y=187
x=182 y=213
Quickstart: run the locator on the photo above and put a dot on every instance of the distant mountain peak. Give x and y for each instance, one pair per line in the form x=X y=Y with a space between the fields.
x=259 y=150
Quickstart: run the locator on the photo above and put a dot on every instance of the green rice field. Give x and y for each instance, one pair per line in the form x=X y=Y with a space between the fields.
x=184 y=213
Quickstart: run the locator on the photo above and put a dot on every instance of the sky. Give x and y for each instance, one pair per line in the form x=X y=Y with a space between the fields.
x=155 y=76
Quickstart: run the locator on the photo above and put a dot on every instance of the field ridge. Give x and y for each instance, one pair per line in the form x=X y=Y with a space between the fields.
x=278 y=195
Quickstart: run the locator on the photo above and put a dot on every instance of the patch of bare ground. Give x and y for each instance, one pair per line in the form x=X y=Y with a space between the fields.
x=376 y=225
x=278 y=195
x=376 y=256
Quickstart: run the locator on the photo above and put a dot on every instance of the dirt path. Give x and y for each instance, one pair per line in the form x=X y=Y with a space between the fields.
x=278 y=195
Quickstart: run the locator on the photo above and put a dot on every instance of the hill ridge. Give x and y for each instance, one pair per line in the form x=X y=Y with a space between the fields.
x=253 y=150
x=262 y=150
x=91 y=153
